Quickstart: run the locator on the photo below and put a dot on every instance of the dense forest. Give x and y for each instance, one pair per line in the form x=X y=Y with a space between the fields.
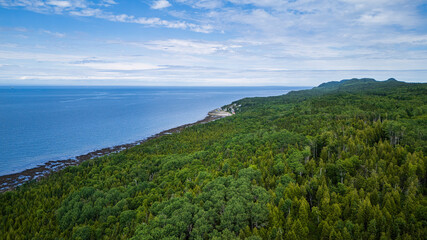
x=345 y=160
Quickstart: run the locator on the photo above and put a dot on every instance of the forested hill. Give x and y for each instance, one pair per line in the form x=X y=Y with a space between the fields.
x=345 y=160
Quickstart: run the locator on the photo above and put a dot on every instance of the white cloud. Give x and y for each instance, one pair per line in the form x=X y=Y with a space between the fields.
x=41 y=57
x=87 y=12
x=403 y=39
x=55 y=34
x=160 y=4
x=208 y=4
x=120 y=66
x=62 y=4
x=261 y=3
x=189 y=46
x=50 y=6
x=82 y=8
x=183 y=47
x=390 y=17
x=153 y=22
x=107 y=3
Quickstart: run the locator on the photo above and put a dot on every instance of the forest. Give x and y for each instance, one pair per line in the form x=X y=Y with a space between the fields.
x=344 y=160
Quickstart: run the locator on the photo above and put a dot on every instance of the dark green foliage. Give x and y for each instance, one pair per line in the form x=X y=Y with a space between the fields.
x=345 y=160
x=225 y=203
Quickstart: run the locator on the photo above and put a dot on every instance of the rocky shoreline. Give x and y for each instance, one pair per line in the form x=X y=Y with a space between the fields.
x=11 y=181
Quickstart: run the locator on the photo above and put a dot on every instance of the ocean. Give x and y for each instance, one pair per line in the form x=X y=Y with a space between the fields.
x=40 y=124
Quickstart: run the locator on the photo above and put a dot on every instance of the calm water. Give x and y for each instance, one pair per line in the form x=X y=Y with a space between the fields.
x=38 y=124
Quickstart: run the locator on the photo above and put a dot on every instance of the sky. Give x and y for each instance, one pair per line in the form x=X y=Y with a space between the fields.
x=211 y=42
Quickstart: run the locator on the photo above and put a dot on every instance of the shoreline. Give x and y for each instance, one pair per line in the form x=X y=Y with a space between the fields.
x=11 y=181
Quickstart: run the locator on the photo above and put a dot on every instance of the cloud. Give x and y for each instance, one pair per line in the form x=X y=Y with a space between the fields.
x=147 y=21
x=55 y=34
x=88 y=12
x=62 y=4
x=51 y=6
x=410 y=39
x=260 y=3
x=42 y=57
x=390 y=17
x=160 y=4
x=120 y=66
x=107 y=3
x=84 y=8
x=208 y=4
x=189 y=46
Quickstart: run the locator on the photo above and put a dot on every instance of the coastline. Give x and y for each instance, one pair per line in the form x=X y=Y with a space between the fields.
x=11 y=181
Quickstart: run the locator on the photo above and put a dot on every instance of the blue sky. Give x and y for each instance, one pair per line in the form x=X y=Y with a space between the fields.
x=210 y=42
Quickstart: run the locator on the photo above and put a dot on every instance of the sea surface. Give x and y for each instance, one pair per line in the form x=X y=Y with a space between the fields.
x=39 y=124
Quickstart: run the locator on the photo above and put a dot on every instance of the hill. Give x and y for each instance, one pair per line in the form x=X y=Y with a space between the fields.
x=345 y=160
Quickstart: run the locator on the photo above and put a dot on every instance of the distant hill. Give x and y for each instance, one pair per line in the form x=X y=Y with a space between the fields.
x=347 y=82
x=359 y=84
